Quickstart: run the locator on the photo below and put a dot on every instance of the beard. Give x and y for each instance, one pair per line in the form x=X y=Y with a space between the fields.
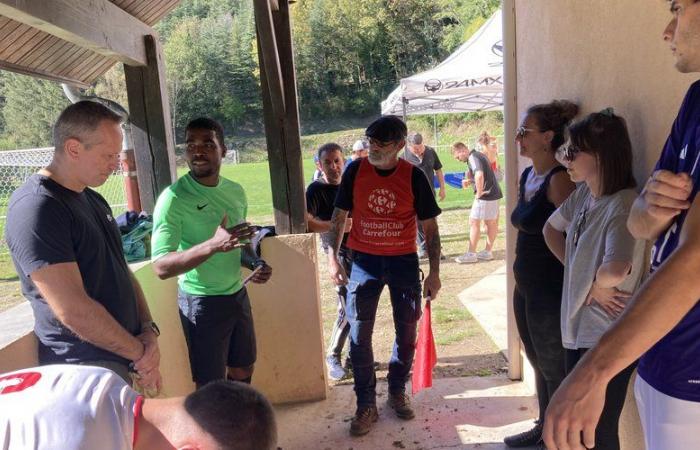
x=380 y=159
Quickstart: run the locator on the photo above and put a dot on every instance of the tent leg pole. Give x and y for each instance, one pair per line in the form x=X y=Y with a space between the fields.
x=435 y=133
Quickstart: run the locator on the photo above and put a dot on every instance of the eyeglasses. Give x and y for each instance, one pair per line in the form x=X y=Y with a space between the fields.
x=580 y=224
x=520 y=132
x=378 y=143
x=569 y=151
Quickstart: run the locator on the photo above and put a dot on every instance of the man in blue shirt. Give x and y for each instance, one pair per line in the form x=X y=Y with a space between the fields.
x=662 y=324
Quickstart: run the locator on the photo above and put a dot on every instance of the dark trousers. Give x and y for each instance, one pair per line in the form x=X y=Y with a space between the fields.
x=341 y=326
x=537 y=315
x=606 y=433
x=370 y=273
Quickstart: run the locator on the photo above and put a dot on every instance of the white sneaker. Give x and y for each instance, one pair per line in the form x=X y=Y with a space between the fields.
x=467 y=258
x=485 y=255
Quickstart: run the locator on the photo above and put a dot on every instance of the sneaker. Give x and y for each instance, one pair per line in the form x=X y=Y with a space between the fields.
x=484 y=255
x=364 y=420
x=528 y=438
x=442 y=256
x=335 y=370
x=466 y=258
x=401 y=405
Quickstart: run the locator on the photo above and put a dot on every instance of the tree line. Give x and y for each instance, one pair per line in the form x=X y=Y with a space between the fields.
x=349 y=55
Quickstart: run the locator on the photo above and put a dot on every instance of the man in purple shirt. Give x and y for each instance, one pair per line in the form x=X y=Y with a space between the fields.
x=662 y=324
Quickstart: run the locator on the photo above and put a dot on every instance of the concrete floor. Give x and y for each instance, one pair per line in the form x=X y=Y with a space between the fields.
x=456 y=413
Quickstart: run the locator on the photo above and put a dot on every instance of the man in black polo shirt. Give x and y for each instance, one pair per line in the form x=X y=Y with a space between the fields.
x=66 y=247
x=320 y=198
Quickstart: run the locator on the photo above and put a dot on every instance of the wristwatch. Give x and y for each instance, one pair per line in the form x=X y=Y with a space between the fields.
x=150 y=325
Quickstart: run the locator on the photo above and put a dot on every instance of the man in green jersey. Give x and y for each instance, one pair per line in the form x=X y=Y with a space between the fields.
x=200 y=235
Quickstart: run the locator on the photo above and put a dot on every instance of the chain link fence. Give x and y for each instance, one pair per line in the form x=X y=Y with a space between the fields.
x=16 y=166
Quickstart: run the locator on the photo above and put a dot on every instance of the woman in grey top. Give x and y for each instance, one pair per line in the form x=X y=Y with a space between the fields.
x=603 y=263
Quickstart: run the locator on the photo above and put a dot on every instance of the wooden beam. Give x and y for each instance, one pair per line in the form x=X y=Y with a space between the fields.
x=281 y=114
x=46 y=75
x=97 y=25
x=269 y=55
x=151 y=130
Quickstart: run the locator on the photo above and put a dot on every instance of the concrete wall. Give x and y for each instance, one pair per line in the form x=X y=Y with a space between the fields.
x=602 y=53
x=161 y=296
x=288 y=326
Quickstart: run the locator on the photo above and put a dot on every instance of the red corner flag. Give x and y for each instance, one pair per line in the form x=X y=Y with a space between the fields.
x=426 y=356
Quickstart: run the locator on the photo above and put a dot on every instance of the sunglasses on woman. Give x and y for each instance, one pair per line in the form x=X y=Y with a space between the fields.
x=520 y=132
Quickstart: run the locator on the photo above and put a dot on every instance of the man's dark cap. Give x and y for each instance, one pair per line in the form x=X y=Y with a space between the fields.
x=387 y=129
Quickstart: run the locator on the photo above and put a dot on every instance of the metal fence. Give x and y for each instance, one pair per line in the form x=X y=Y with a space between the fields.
x=16 y=166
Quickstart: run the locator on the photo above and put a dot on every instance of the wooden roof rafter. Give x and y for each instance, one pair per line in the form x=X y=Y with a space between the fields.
x=75 y=41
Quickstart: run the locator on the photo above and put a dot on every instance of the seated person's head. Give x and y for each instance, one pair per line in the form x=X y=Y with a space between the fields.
x=460 y=151
x=387 y=136
x=234 y=414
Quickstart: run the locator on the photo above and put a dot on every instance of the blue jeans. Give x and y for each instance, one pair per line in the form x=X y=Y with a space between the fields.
x=370 y=273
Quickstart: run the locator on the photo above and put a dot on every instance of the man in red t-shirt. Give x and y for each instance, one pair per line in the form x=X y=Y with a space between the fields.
x=385 y=195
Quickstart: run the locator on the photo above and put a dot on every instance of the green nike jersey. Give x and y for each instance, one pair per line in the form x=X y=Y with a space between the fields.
x=187 y=214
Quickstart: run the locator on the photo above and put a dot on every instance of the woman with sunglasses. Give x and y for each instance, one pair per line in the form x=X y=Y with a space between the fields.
x=538 y=273
x=603 y=262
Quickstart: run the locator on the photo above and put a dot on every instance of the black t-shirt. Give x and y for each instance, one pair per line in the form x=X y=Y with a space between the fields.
x=320 y=197
x=478 y=162
x=50 y=224
x=423 y=195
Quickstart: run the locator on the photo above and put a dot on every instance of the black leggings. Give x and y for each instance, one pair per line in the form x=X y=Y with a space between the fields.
x=606 y=433
x=537 y=315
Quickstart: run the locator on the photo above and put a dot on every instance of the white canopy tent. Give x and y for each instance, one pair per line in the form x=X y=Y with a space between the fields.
x=470 y=79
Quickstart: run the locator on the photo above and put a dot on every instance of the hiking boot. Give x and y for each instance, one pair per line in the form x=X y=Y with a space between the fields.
x=364 y=420
x=401 y=405
x=527 y=438
x=335 y=370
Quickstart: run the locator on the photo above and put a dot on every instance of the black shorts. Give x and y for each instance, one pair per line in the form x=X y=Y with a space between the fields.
x=219 y=333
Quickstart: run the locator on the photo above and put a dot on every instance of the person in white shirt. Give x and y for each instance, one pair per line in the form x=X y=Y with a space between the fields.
x=85 y=407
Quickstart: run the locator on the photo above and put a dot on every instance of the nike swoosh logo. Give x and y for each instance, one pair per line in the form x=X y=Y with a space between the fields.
x=202 y=207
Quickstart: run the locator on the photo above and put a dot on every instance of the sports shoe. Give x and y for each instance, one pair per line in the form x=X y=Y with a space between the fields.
x=527 y=438
x=335 y=370
x=484 y=255
x=401 y=405
x=364 y=420
x=467 y=258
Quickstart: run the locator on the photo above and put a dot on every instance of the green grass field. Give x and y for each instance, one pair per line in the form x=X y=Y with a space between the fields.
x=255 y=179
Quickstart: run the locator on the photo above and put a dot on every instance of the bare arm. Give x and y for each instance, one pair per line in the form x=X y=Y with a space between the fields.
x=664 y=196
x=659 y=305
x=479 y=183
x=441 y=183
x=560 y=188
x=315 y=225
x=612 y=273
x=223 y=240
x=555 y=240
x=332 y=239
x=61 y=285
x=432 y=284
